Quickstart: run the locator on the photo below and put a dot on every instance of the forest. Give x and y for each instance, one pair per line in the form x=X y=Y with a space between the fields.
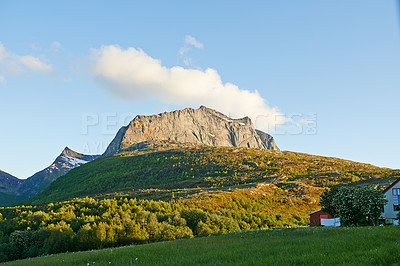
x=83 y=224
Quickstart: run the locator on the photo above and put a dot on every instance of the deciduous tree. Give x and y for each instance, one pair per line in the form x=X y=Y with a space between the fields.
x=355 y=205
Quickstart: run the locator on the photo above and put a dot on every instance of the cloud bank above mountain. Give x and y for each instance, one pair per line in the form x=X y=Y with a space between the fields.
x=132 y=74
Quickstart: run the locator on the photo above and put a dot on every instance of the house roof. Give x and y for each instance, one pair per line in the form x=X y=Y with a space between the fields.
x=315 y=212
x=391 y=185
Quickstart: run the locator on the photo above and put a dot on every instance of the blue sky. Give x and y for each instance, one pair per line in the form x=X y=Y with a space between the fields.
x=329 y=69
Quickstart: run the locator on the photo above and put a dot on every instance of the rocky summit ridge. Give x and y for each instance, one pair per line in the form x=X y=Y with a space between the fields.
x=203 y=126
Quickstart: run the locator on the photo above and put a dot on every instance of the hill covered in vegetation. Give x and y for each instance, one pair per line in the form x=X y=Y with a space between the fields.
x=166 y=190
x=162 y=170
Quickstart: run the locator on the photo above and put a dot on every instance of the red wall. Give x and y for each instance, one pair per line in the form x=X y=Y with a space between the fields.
x=315 y=218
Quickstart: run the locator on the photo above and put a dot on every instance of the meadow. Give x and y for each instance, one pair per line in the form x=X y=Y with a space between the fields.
x=300 y=246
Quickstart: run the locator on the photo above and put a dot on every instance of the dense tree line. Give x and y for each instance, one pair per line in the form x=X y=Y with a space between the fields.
x=83 y=224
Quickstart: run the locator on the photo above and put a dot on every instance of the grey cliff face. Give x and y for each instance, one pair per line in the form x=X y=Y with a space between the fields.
x=198 y=126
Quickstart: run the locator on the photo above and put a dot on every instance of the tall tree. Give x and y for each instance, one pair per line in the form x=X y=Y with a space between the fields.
x=355 y=205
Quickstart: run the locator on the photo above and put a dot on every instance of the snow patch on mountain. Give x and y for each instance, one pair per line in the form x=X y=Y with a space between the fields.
x=71 y=161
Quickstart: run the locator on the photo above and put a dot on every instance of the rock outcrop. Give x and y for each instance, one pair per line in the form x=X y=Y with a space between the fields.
x=202 y=126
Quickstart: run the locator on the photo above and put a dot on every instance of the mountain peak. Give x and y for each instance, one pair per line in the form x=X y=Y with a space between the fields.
x=68 y=152
x=202 y=126
x=71 y=154
x=67 y=160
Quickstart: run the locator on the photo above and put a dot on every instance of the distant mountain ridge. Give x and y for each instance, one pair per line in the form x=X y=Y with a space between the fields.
x=202 y=126
x=66 y=161
x=13 y=189
x=8 y=183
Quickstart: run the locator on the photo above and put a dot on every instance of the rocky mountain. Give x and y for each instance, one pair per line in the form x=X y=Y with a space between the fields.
x=198 y=126
x=8 y=183
x=13 y=189
x=66 y=161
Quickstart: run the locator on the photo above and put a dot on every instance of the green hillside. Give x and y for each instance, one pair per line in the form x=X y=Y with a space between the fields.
x=7 y=198
x=161 y=171
x=307 y=246
x=165 y=191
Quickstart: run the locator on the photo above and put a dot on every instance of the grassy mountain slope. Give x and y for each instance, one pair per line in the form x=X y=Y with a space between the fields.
x=8 y=198
x=175 y=167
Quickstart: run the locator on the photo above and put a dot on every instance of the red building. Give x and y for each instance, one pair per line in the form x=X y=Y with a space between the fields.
x=315 y=217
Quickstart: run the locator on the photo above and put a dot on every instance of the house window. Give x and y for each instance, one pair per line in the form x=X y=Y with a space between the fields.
x=396 y=199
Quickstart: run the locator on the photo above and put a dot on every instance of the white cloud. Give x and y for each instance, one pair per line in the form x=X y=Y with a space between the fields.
x=2 y=52
x=34 y=63
x=14 y=64
x=132 y=74
x=184 y=50
x=2 y=80
x=190 y=40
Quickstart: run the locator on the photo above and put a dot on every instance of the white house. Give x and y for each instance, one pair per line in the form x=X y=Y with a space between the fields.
x=392 y=208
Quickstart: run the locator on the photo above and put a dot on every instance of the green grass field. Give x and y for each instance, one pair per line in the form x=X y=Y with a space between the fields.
x=302 y=246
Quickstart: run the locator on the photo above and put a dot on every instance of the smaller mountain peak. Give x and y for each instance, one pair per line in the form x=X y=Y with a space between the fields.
x=68 y=152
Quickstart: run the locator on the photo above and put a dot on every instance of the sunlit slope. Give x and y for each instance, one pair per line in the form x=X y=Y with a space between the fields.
x=180 y=166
